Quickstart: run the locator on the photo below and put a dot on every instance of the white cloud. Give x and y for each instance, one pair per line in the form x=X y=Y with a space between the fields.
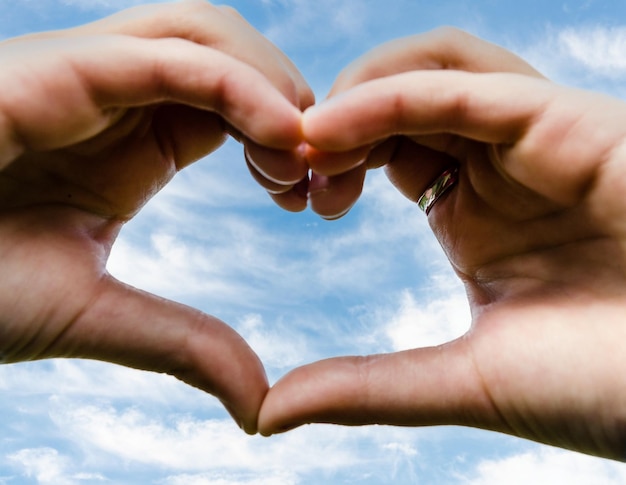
x=168 y=265
x=45 y=465
x=428 y=322
x=391 y=236
x=599 y=49
x=186 y=450
x=398 y=220
x=433 y=311
x=401 y=448
x=220 y=180
x=188 y=444
x=192 y=238
x=79 y=379
x=206 y=449
x=278 y=347
x=589 y=57
x=219 y=254
x=279 y=478
x=49 y=467
x=92 y=477
x=234 y=256
x=548 y=466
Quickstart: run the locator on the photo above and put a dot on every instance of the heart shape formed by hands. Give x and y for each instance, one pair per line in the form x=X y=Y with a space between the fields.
x=533 y=226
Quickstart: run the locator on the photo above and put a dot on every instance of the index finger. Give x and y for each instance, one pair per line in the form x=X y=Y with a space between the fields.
x=483 y=107
x=535 y=127
x=131 y=72
x=445 y=48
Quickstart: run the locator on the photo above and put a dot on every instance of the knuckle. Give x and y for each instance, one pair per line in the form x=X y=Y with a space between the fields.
x=231 y=12
x=449 y=35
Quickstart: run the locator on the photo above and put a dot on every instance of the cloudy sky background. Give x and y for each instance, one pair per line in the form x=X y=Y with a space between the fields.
x=297 y=287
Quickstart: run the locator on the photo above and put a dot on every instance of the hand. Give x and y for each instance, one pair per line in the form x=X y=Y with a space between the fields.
x=338 y=176
x=534 y=228
x=93 y=122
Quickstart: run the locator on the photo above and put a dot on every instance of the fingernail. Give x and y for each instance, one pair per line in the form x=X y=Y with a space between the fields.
x=302 y=188
x=287 y=427
x=334 y=217
x=233 y=415
x=247 y=157
x=318 y=184
x=234 y=133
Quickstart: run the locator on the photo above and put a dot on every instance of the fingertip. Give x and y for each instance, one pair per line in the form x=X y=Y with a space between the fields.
x=291 y=201
x=249 y=430
x=274 y=419
x=279 y=430
x=319 y=126
x=280 y=167
x=335 y=163
x=333 y=197
x=306 y=96
x=241 y=423
x=309 y=122
x=285 y=135
x=336 y=217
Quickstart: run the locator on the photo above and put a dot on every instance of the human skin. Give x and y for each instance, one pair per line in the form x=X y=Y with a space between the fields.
x=93 y=122
x=535 y=229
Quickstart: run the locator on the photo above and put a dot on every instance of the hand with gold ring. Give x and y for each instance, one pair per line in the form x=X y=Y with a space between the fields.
x=533 y=222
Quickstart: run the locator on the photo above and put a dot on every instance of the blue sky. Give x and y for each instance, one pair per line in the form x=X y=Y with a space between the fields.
x=297 y=287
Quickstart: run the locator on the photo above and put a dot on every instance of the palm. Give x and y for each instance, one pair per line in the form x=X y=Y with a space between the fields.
x=535 y=386
x=540 y=275
x=61 y=213
x=55 y=257
x=111 y=175
x=489 y=217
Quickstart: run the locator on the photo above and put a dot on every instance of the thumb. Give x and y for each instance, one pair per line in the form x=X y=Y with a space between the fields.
x=136 y=329
x=436 y=385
